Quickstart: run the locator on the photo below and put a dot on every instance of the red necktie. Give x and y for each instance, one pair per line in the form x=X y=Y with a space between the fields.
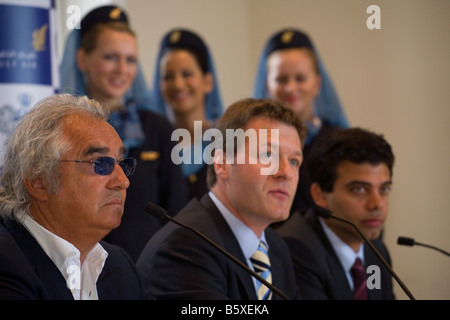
x=359 y=280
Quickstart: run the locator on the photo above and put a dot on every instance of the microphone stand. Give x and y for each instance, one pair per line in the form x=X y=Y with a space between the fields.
x=162 y=215
x=325 y=213
x=410 y=242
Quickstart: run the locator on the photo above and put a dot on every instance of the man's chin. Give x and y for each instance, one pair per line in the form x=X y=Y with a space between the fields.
x=114 y=220
x=372 y=234
x=282 y=216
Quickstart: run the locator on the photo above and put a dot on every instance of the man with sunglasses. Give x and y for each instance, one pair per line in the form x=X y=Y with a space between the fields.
x=64 y=185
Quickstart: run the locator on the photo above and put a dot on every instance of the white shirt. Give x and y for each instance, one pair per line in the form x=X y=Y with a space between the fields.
x=81 y=280
x=248 y=241
x=344 y=252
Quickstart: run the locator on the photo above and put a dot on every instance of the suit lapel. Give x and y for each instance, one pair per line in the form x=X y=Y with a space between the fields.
x=107 y=284
x=337 y=274
x=47 y=272
x=230 y=244
x=334 y=266
x=276 y=264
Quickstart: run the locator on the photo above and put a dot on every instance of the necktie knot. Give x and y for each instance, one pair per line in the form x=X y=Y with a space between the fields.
x=359 y=280
x=261 y=264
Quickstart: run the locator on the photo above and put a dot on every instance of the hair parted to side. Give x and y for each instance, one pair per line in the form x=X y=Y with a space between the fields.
x=354 y=145
x=35 y=147
x=239 y=114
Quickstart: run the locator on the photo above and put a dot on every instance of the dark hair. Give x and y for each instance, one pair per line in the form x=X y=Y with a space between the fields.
x=183 y=39
x=199 y=57
x=355 y=145
x=239 y=114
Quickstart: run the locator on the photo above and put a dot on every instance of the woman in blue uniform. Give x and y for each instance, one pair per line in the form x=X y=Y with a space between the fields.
x=186 y=91
x=100 y=60
x=290 y=70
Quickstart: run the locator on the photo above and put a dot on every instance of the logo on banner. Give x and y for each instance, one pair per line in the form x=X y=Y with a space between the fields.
x=25 y=56
x=39 y=37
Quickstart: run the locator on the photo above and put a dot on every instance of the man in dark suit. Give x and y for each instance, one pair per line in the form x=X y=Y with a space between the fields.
x=351 y=174
x=246 y=195
x=64 y=185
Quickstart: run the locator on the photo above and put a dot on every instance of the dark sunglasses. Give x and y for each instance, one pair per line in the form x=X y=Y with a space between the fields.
x=105 y=165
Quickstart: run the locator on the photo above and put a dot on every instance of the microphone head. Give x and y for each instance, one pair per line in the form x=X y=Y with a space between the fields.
x=405 y=241
x=322 y=212
x=156 y=210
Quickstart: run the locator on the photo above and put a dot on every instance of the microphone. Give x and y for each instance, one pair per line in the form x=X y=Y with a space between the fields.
x=327 y=214
x=410 y=242
x=161 y=213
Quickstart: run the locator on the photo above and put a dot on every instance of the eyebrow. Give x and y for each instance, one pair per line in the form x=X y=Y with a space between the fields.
x=102 y=150
x=360 y=182
x=296 y=153
x=299 y=153
x=95 y=150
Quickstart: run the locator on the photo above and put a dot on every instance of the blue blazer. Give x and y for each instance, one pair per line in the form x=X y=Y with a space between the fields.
x=27 y=273
x=318 y=271
x=178 y=264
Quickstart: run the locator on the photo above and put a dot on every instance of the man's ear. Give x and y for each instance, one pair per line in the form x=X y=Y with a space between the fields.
x=318 y=195
x=36 y=188
x=220 y=165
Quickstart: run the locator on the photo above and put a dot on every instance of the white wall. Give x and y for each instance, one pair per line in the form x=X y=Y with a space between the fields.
x=393 y=81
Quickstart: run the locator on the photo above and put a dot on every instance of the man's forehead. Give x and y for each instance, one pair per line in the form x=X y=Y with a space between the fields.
x=351 y=170
x=92 y=135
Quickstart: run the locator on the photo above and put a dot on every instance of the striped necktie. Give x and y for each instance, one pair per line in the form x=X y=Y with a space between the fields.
x=261 y=264
x=359 y=280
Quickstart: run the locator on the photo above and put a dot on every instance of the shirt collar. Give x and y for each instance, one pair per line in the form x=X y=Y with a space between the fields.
x=247 y=239
x=55 y=247
x=344 y=252
x=66 y=257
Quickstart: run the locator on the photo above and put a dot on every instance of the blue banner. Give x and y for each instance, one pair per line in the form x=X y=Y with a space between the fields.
x=28 y=62
x=24 y=49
